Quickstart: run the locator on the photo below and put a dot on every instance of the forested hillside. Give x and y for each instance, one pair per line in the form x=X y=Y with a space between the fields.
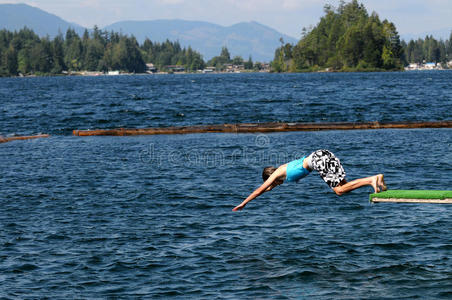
x=428 y=50
x=26 y=53
x=346 y=38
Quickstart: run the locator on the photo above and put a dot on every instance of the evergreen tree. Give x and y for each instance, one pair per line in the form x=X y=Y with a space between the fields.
x=23 y=61
x=219 y=61
x=11 y=60
x=278 y=63
x=283 y=57
x=135 y=62
x=41 y=56
x=449 y=48
x=94 y=52
x=73 y=50
x=237 y=60
x=249 y=64
x=58 y=55
x=225 y=54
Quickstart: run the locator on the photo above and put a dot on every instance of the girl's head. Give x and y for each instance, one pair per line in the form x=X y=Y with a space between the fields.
x=267 y=172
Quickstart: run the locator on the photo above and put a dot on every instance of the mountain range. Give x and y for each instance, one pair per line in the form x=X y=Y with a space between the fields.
x=14 y=17
x=243 y=39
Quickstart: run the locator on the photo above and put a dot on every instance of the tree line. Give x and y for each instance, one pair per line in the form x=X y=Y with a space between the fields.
x=428 y=50
x=348 y=38
x=219 y=62
x=24 y=52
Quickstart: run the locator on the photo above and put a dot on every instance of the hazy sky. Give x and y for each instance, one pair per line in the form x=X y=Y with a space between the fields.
x=286 y=16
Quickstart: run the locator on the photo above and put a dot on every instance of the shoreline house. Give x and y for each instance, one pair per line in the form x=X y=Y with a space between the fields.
x=231 y=68
x=175 y=68
x=424 y=66
x=209 y=70
x=150 y=68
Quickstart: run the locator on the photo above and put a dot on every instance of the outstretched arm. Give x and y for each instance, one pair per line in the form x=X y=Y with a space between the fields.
x=266 y=186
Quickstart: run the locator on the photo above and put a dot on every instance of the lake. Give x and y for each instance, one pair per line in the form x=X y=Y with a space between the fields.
x=150 y=216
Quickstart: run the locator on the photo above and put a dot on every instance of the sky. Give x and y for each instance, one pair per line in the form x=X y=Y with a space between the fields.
x=286 y=16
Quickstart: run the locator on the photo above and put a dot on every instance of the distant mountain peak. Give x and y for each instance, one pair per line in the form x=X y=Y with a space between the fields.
x=14 y=17
x=244 y=38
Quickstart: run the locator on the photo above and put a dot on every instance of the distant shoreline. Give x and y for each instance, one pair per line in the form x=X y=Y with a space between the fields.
x=99 y=74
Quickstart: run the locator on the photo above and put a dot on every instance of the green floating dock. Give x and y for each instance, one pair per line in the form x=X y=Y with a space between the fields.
x=412 y=196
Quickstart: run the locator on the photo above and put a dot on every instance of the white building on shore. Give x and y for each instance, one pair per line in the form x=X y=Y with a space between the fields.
x=424 y=66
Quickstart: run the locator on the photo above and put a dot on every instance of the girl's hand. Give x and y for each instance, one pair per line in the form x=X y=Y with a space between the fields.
x=238 y=207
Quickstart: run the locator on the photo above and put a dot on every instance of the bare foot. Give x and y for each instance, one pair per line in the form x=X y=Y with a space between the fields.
x=381 y=182
x=374 y=183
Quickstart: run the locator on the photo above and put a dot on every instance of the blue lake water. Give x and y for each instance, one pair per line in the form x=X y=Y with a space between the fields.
x=150 y=216
x=58 y=105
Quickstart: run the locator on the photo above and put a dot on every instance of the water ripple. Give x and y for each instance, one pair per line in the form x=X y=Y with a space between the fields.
x=112 y=217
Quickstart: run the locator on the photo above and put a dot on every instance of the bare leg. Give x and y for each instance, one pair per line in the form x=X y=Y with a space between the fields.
x=357 y=183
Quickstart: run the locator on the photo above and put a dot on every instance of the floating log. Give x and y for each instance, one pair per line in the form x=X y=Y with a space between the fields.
x=412 y=196
x=262 y=128
x=15 y=138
